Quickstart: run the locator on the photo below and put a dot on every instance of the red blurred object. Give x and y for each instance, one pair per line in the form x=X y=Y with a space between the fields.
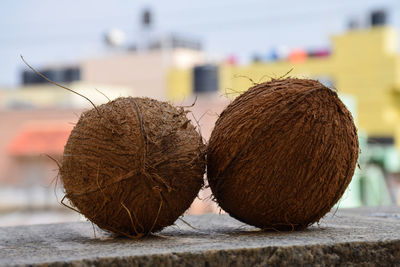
x=34 y=140
x=232 y=60
x=319 y=53
x=297 y=56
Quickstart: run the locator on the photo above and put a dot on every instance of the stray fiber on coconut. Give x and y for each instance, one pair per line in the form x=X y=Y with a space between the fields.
x=282 y=154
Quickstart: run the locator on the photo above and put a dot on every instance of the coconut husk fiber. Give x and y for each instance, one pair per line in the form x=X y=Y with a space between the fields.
x=133 y=166
x=282 y=154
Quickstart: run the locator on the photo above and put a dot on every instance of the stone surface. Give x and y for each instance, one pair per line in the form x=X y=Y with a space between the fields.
x=353 y=236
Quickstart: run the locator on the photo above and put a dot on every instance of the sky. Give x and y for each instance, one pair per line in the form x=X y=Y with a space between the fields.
x=48 y=32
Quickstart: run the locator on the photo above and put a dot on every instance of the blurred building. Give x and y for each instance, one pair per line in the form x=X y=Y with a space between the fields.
x=363 y=63
x=27 y=141
x=131 y=72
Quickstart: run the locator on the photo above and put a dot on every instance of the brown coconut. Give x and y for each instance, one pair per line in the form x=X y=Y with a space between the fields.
x=133 y=166
x=282 y=154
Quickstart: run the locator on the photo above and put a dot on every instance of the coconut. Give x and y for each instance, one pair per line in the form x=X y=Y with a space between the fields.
x=133 y=166
x=282 y=154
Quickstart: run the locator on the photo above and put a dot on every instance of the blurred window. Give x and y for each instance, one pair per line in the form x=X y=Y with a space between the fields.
x=205 y=78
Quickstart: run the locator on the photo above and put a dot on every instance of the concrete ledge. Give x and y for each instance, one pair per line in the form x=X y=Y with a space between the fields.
x=355 y=236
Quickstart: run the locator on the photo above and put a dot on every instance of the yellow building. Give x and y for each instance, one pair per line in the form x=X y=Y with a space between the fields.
x=364 y=64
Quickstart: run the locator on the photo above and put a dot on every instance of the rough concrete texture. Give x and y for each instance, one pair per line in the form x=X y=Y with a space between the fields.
x=349 y=237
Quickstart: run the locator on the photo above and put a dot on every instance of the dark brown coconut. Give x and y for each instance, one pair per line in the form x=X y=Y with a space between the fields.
x=133 y=166
x=282 y=154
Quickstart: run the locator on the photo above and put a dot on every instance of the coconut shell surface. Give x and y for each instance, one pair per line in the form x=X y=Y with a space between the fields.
x=133 y=166
x=282 y=154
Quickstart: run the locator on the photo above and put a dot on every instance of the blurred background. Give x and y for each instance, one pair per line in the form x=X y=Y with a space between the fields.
x=178 y=50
